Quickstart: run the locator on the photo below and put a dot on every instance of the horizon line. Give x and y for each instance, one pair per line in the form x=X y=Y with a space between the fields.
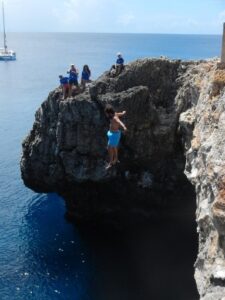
x=97 y=32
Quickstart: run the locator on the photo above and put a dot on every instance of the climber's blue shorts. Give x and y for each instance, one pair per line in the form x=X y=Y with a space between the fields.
x=114 y=138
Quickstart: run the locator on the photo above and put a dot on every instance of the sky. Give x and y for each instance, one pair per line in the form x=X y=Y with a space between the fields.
x=120 y=16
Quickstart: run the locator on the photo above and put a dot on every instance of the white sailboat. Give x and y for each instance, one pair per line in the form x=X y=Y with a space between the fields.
x=6 y=54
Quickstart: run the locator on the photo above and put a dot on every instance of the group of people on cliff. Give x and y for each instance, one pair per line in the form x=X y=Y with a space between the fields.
x=69 y=82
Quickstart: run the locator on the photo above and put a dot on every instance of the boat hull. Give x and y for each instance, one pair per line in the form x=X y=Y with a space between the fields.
x=7 y=57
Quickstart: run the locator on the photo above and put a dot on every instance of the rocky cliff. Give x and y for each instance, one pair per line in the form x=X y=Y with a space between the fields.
x=176 y=123
x=203 y=127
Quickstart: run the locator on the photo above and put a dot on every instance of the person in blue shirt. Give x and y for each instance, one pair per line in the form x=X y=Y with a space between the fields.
x=73 y=78
x=119 y=63
x=118 y=67
x=85 y=77
x=64 y=83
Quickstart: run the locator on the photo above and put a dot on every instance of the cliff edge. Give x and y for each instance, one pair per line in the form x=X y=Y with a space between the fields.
x=176 y=123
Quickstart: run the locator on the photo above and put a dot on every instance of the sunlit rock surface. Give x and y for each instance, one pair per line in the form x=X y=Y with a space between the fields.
x=204 y=130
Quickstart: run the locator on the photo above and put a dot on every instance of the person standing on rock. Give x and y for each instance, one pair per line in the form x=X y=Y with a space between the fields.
x=85 y=77
x=73 y=78
x=114 y=133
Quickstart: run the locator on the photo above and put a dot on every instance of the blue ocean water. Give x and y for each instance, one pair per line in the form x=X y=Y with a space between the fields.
x=41 y=255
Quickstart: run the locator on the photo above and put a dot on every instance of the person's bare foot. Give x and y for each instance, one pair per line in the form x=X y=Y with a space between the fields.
x=108 y=166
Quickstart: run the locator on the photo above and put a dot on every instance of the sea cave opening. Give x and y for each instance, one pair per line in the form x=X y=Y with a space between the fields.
x=152 y=256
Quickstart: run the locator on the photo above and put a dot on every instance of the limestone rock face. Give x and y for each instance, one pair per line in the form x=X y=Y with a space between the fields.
x=204 y=127
x=176 y=123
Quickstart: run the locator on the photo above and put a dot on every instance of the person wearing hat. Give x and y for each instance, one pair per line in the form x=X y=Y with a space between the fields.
x=117 y=68
x=119 y=63
x=73 y=78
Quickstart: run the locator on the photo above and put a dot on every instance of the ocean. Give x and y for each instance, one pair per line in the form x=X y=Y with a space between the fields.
x=43 y=257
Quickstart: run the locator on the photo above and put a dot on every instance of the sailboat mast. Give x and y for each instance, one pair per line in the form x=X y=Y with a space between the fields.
x=4 y=34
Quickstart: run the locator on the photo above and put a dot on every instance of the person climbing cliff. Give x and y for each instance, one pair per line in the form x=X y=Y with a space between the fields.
x=73 y=78
x=114 y=133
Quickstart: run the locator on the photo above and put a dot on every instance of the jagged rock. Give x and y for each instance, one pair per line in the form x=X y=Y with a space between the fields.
x=176 y=123
x=205 y=169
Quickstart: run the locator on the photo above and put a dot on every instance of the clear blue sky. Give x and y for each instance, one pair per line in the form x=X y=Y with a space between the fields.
x=138 y=16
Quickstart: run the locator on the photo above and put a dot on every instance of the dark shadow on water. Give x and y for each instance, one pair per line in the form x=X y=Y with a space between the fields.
x=151 y=260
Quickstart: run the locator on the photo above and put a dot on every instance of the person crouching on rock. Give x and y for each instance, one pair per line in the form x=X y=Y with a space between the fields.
x=119 y=63
x=73 y=78
x=118 y=67
x=114 y=134
x=85 y=77
x=64 y=83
